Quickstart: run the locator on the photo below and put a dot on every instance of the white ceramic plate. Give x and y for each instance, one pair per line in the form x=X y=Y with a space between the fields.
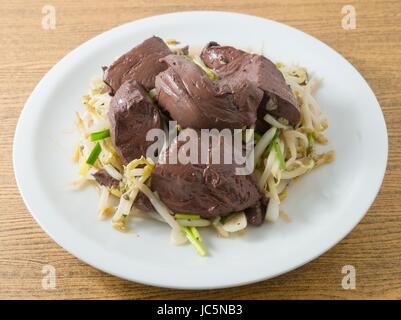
x=324 y=206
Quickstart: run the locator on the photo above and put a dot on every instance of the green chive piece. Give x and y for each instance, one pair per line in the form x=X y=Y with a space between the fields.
x=311 y=143
x=100 y=135
x=195 y=242
x=196 y=233
x=185 y=216
x=271 y=144
x=96 y=91
x=279 y=155
x=94 y=154
x=198 y=61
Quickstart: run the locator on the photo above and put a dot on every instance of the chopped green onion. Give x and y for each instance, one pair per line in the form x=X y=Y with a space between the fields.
x=256 y=136
x=195 y=242
x=196 y=233
x=311 y=142
x=279 y=155
x=209 y=72
x=96 y=91
x=153 y=95
x=94 y=154
x=271 y=144
x=280 y=65
x=274 y=144
x=187 y=216
x=100 y=135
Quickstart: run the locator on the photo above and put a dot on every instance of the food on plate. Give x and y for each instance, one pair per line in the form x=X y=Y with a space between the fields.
x=267 y=112
x=208 y=190
x=132 y=114
x=194 y=100
x=229 y=62
x=142 y=64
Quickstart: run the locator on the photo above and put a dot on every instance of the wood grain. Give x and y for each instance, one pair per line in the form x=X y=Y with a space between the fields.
x=28 y=51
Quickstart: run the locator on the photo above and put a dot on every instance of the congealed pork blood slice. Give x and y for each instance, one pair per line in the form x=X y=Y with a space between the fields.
x=132 y=114
x=261 y=125
x=194 y=100
x=104 y=179
x=140 y=63
x=206 y=189
x=256 y=215
x=230 y=62
x=143 y=203
x=216 y=57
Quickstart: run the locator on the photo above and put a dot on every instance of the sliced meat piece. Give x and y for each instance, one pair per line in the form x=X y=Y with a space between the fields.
x=229 y=62
x=216 y=57
x=132 y=114
x=194 y=100
x=261 y=126
x=140 y=63
x=103 y=178
x=143 y=203
x=205 y=189
x=256 y=215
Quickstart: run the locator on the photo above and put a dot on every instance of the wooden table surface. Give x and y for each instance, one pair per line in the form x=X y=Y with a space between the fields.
x=28 y=52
